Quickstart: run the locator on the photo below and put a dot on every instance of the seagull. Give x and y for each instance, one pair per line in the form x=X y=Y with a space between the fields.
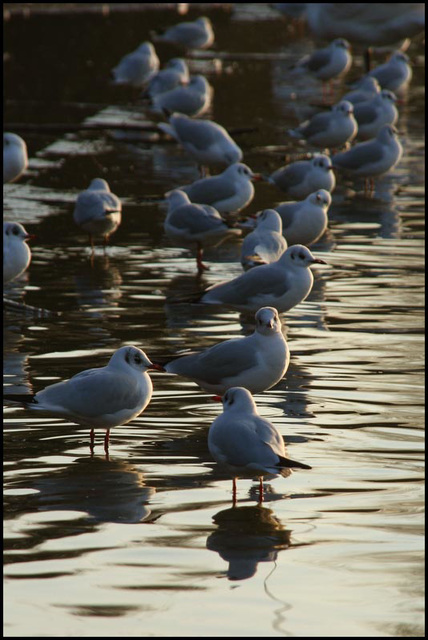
x=16 y=252
x=266 y=243
x=192 y=99
x=206 y=141
x=281 y=284
x=198 y=34
x=304 y=222
x=328 y=63
x=256 y=362
x=395 y=74
x=373 y=157
x=98 y=211
x=372 y=114
x=138 y=67
x=366 y=89
x=330 y=129
x=174 y=74
x=300 y=179
x=229 y=191
x=105 y=397
x=15 y=157
x=195 y=225
x=246 y=445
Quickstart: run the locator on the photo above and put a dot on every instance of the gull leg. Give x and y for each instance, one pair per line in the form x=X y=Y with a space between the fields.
x=106 y=441
x=234 y=491
x=261 y=489
x=201 y=266
x=92 y=441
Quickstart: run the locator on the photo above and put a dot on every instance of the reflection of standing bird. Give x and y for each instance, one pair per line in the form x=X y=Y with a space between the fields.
x=246 y=444
x=16 y=252
x=15 y=158
x=98 y=211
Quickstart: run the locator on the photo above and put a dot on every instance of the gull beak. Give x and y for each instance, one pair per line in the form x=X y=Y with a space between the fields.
x=318 y=261
x=216 y=398
x=157 y=367
x=258 y=177
x=30 y=236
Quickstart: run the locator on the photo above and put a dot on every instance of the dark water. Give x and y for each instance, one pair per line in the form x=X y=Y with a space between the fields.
x=146 y=543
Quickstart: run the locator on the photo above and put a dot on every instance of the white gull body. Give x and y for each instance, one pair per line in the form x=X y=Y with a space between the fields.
x=281 y=284
x=372 y=114
x=304 y=222
x=373 y=157
x=300 y=179
x=229 y=191
x=395 y=74
x=256 y=362
x=198 y=34
x=138 y=67
x=266 y=243
x=329 y=129
x=206 y=141
x=246 y=445
x=16 y=252
x=105 y=397
x=174 y=74
x=193 y=99
x=15 y=157
x=98 y=211
x=327 y=63
x=365 y=89
x=195 y=225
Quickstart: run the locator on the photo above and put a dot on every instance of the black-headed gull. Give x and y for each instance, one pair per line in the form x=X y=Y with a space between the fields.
x=138 y=67
x=198 y=34
x=373 y=157
x=103 y=398
x=174 y=74
x=365 y=89
x=256 y=362
x=372 y=114
x=246 y=445
x=300 y=179
x=195 y=225
x=98 y=211
x=16 y=252
x=229 y=191
x=15 y=157
x=327 y=63
x=192 y=99
x=266 y=243
x=281 y=284
x=330 y=129
x=395 y=74
x=206 y=141
x=304 y=222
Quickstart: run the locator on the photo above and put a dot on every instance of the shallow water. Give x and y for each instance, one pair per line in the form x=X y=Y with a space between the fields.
x=147 y=543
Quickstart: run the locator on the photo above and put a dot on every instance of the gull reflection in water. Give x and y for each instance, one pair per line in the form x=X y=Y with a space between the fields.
x=107 y=490
x=247 y=536
x=98 y=285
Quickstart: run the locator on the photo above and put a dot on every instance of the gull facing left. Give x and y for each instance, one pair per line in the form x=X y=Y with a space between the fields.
x=105 y=397
x=16 y=252
x=245 y=444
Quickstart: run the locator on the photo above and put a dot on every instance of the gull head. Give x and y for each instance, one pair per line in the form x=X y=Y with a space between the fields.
x=267 y=321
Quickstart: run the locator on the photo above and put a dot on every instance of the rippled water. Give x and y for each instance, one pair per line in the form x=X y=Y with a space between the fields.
x=147 y=543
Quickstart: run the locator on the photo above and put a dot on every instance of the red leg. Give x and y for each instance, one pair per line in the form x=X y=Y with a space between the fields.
x=261 y=489
x=92 y=441
x=106 y=441
x=201 y=265
x=234 y=491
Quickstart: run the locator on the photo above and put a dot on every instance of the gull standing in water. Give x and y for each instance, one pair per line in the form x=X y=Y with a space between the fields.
x=98 y=211
x=331 y=129
x=138 y=67
x=300 y=179
x=256 y=362
x=198 y=34
x=245 y=444
x=281 y=284
x=229 y=191
x=266 y=243
x=15 y=157
x=304 y=222
x=195 y=225
x=105 y=397
x=16 y=252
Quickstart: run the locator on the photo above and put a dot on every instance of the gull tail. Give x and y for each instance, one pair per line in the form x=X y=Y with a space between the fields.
x=21 y=398
x=286 y=462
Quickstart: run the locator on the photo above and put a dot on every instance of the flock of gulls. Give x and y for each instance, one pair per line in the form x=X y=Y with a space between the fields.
x=356 y=137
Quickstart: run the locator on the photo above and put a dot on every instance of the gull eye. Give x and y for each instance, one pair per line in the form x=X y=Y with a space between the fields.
x=15 y=231
x=137 y=358
x=302 y=255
